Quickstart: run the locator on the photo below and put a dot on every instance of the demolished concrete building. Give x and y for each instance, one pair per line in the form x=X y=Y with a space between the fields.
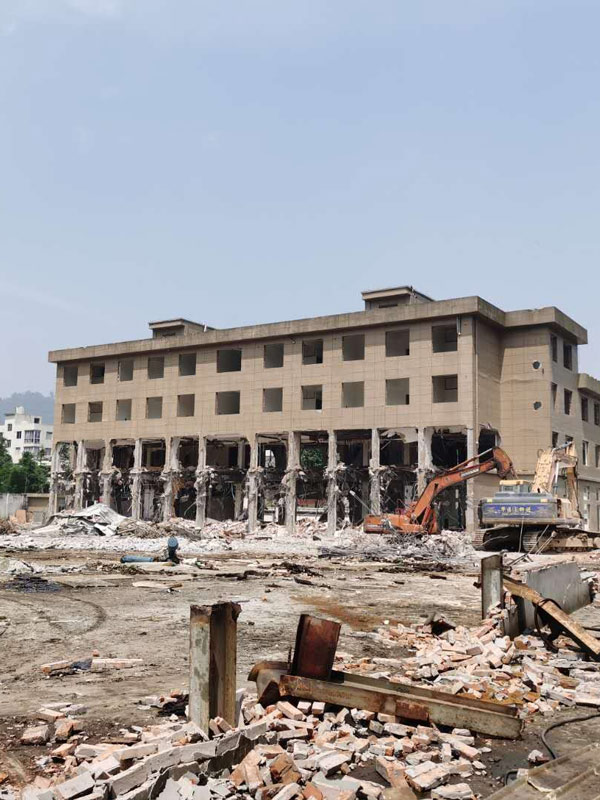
x=326 y=416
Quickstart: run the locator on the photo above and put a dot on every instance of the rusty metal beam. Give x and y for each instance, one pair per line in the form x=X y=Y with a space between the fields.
x=580 y=636
x=379 y=695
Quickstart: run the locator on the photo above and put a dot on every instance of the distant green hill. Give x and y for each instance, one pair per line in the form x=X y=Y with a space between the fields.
x=34 y=402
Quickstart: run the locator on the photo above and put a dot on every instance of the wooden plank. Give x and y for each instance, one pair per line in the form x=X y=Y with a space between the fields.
x=484 y=717
x=573 y=629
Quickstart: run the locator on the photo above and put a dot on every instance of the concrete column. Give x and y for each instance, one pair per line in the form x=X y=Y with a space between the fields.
x=136 y=484
x=491 y=583
x=80 y=473
x=374 y=472
x=213 y=662
x=332 y=487
x=201 y=484
x=54 y=479
x=291 y=480
x=253 y=486
x=107 y=472
x=170 y=470
x=239 y=487
x=424 y=464
x=471 y=510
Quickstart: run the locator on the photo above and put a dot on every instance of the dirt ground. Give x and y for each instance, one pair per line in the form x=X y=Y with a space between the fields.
x=100 y=609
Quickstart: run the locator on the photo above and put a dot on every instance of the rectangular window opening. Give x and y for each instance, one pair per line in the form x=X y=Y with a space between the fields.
x=156 y=367
x=553 y=390
x=444 y=338
x=227 y=403
x=187 y=364
x=397 y=392
x=585 y=453
x=273 y=355
x=312 y=398
x=353 y=394
x=445 y=388
x=229 y=360
x=597 y=458
x=95 y=412
x=125 y=369
x=123 y=410
x=397 y=343
x=272 y=400
x=96 y=373
x=312 y=351
x=154 y=407
x=554 y=348
x=186 y=405
x=568 y=356
x=568 y=401
x=70 y=375
x=554 y=438
x=596 y=413
x=585 y=409
x=353 y=347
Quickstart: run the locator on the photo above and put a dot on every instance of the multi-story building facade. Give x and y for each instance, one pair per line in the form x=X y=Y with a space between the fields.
x=343 y=412
x=26 y=433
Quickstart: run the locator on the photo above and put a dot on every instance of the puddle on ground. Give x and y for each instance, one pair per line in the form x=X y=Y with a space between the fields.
x=31 y=583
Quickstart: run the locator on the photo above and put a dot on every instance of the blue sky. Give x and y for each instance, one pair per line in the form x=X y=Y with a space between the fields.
x=254 y=160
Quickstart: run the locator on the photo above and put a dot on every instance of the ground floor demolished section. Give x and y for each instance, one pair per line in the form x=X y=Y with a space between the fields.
x=338 y=476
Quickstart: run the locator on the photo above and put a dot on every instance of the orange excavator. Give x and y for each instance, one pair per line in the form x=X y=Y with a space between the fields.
x=420 y=516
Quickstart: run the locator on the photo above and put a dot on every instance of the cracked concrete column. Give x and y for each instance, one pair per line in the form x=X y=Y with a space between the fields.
x=332 y=487
x=201 y=484
x=253 y=485
x=136 y=484
x=471 y=510
x=291 y=480
x=375 y=472
x=80 y=473
x=425 y=463
x=106 y=473
x=54 y=478
x=239 y=487
x=170 y=470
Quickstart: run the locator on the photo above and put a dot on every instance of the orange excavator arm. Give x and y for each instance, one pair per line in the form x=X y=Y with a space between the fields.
x=422 y=510
x=420 y=516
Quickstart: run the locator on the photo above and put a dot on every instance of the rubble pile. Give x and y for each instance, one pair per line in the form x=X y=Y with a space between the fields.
x=483 y=663
x=304 y=750
x=432 y=551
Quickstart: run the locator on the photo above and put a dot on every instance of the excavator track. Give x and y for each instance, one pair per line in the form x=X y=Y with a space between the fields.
x=562 y=540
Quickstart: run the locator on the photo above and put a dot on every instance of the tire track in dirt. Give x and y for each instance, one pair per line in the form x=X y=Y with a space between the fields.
x=98 y=612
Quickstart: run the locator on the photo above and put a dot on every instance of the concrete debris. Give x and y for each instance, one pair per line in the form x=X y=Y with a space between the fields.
x=93 y=664
x=483 y=663
x=281 y=751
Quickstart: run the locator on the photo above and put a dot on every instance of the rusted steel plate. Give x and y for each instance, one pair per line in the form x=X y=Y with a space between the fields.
x=316 y=643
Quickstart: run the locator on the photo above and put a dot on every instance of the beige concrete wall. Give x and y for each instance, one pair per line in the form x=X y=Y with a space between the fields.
x=418 y=367
x=525 y=429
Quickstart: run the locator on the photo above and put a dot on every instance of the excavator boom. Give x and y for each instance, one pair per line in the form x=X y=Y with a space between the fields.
x=420 y=517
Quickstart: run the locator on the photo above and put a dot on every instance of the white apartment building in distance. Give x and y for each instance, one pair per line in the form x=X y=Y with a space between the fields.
x=25 y=433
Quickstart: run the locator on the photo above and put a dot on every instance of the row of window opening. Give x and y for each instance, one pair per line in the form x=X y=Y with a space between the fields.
x=397 y=343
x=444 y=390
